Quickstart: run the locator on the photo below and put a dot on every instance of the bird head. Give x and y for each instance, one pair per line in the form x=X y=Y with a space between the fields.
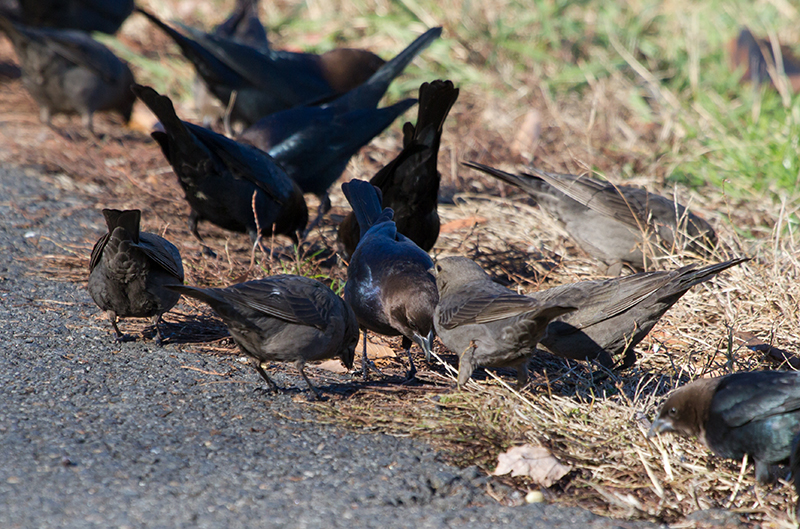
x=686 y=410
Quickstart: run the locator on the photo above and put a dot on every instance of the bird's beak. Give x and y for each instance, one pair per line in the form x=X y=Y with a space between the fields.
x=425 y=343
x=432 y=271
x=660 y=426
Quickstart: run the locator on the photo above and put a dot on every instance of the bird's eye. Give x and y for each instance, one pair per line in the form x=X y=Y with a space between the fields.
x=438 y=268
x=673 y=412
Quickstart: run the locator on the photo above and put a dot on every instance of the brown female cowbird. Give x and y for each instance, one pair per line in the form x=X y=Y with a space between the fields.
x=615 y=314
x=315 y=143
x=284 y=318
x=748 y=51
x=486 y=323
x=754 y=413
x=266 y=80
x=129 y=269
x=619 y=225
x=410 y=182
x=389 y=284
x=67 y=72
x=84 y=15
x=220 y=176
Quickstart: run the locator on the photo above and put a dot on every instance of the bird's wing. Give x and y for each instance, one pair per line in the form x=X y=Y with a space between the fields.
x=275 y=298
x=484 y=307
x=758 y=396
x=163 y=252
x=97 y=251
x=82 y=50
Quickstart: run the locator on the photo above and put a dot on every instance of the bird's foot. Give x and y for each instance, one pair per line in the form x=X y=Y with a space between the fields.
x=367 y=366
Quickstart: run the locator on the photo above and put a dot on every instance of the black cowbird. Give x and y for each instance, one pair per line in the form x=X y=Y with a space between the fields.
x=129 y=269
x=755 y=413
x=220 y=176
x=67 y=72
x=485 y=323
x=244 y=27
x=620 y=225
x=410 y=182
x=389 y=284
x=615 y=314
x=748 y=51
x=84 y=15
x=267 y=80
x=315 y=143
x=284 y=318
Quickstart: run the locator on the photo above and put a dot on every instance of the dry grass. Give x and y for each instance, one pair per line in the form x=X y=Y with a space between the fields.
x=598 y=426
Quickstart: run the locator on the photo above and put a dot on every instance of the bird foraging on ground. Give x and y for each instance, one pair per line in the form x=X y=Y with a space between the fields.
x=486 y=324
x=84 y=15
x=388 y=284
x=68 y=72
x=615 y=314
x=235 y=186
x=755 y=413
x=129 y=269
x=284 y=318
x=410 y=183
x=315 y=143
x=620 y=225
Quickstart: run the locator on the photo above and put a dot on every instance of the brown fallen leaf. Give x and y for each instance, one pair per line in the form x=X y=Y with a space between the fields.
x=333 y=365
x=527 y=138
x=535 y=462
x=374 y=350
x=460 y=224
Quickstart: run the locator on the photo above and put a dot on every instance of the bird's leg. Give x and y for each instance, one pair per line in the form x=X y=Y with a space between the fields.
x=271 y=383
x=465 y=364
x=366 y=363
x=44 y=116
x=762 y=472
x=412 y=369
x=301 y=366
x=522 y=373
x=159 y=340
x=194 y=218
x=324 y=207
x=88 y=122
x=118 y=336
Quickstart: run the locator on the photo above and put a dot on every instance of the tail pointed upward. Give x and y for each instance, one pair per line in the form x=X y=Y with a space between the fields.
x=365 y=199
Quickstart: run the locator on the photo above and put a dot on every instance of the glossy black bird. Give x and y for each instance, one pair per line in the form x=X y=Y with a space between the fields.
x=220 y=176
x=485 y=323
x=284 y=318
x=84 y=15
x=754 y=413
x=410 y=182
x=244 y=27
x=389 y=284
x=129 y=269
x=67 y=72
x=615 y=314
x=619 y=225
x=314 y=144
x=267 y=80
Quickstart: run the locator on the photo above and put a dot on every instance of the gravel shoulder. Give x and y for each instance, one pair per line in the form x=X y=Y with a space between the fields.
x=98 y=434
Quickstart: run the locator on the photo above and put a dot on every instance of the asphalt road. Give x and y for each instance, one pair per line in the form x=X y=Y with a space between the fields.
x=97 y=434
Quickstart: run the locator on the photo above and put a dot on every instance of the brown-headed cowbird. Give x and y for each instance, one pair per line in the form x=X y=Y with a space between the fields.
x=129 y=269
x=67 y=72
x=486 y=324
x=615 y=314
x=620 y=225
x=244 y=27
x=220 y=176
x=267 y=80
x=284 y=318
x=748 y=51
x=755 y=413
x=84 y=15
x=410 y=182
x=315 y=143
x=388 y=284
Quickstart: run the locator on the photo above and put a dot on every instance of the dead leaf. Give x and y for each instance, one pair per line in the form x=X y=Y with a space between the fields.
x=460 y=224
x=374 y=350
x=535 y=462
x=334 y=365
x=527 y=138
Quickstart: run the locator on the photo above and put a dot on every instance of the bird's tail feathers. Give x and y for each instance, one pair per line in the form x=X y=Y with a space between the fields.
x=366 y=200
x=127 y=219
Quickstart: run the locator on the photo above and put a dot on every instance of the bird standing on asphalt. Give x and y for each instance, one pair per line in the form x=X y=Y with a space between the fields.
x=221 y=176
x=129 y=270
x=755 y=413
x=619 y=225
x=615 y=314
x=486 y=324
x=410 y=182
x=284 y=318
x=68 y=72
x=267 y=80
x=388 y=284
x=315 y=143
